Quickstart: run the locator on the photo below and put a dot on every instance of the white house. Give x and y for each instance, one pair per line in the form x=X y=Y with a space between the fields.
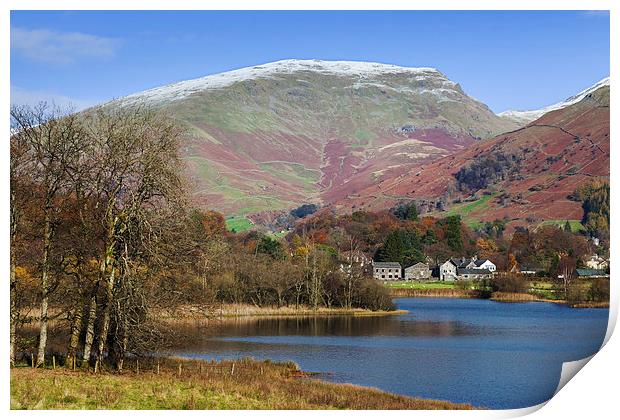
x=466 y=268
x=597 y=263
x=485 y=264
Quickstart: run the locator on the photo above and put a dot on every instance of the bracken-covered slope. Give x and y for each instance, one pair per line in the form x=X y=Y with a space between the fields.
x=281 y=134
x=540 y=165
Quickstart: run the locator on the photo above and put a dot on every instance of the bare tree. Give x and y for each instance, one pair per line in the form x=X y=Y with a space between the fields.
x=54 y=139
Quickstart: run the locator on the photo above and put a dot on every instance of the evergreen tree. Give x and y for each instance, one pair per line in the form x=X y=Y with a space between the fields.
x=453 y=233
x=406 y=211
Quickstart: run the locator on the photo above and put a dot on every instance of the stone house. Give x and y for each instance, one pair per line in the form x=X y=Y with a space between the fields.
x=386 y=270
x=417 y=271
x=447 y=270
x=466 y=269
x=474 y=273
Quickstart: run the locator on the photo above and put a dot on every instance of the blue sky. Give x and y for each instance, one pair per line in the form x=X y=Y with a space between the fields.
x=508 y=60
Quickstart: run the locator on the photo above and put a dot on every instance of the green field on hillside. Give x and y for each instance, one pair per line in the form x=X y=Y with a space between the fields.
x=575 y=225
x=238 y=224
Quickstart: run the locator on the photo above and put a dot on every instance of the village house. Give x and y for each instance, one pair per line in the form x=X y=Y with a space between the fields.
x=466 y=269
x=386 y=270
x=597 y=263
x=353 y=259
x=447 y=270
x=474 y=273
x=417 y=271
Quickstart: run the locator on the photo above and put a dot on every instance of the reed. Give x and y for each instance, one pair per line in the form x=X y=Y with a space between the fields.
x=231 y=384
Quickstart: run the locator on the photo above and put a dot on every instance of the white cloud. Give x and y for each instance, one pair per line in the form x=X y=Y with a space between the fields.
x=53 y=47
x=21 y=96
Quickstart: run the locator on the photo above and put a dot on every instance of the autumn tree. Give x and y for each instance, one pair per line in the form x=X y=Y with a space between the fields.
x=54 y=141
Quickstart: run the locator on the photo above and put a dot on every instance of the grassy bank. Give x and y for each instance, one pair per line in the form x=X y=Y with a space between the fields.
x=437 y=292
x=497 y=296
x=185 y=384
x=244 y=310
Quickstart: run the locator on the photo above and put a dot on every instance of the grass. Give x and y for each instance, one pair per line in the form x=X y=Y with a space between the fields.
x=238 y=224
x=441 y=293
x=431 y=285
x=240 y=384
x=575 y=225
x=465 y=209
x=232 y=310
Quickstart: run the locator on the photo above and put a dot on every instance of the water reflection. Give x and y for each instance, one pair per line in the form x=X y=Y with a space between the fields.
x=485 y=353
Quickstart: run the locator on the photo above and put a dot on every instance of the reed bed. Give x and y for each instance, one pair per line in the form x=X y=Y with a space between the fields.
x=190 y=384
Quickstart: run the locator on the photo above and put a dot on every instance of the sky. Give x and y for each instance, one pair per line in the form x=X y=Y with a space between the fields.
x=506 y=59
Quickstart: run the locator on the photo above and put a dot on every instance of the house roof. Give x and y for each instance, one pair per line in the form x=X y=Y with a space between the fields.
x=473 y=271
x=458 y=262
x=381 y=264
x=479 y=262
x=590 y=272
x=418 y=265
x=530 y=268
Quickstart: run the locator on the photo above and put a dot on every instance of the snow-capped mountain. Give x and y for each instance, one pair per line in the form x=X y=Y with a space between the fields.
x=357 y=69
x=526 y=117
x=279 y=134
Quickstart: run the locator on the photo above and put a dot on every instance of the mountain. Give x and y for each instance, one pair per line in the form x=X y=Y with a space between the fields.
x=526 y=175
x=526 y=117
x=280 y=134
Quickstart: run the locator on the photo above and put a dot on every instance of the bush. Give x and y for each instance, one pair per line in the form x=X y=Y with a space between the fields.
x=599 y=290
x=462 y=284
x=510 y=283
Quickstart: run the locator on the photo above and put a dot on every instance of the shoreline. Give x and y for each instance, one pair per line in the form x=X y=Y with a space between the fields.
x=497 y=297
x=224 y=311
x=178 y=383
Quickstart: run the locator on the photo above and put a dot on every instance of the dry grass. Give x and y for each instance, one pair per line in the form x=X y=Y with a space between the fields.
x=443 y=293
x=512 y=297
x=243 y=310
x=241 y=384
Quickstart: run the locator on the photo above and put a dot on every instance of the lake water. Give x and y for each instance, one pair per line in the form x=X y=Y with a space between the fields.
x=489 y=354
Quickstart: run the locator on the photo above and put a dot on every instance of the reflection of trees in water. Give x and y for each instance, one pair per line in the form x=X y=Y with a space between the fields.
x=198 y=334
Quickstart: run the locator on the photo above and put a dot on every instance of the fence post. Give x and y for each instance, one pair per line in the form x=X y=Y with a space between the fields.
x=32 y=360
x=53 y=362
x=232 y=370
x=157 y=366
x=179 y=369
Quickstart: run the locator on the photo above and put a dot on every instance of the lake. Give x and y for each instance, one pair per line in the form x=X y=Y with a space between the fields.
x=489 y=354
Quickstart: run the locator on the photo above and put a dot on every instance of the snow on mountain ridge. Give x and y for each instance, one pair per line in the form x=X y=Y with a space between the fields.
x=526 y=117
x=361 y=69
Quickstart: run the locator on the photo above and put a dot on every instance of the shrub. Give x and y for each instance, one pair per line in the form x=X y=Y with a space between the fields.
x=510 y=283
x=599 y=290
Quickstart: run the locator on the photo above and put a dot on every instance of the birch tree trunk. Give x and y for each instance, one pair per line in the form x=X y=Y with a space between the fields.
x=76 y=329
x=13 y=296
x=90 y=326
x=105 y=325
x=47 y=243
x=14 y=315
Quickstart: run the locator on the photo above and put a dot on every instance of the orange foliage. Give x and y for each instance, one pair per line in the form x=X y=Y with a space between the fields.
x=214 y=223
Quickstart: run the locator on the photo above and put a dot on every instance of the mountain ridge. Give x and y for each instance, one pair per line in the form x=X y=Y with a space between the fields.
x=525 y=117
x=280 y=134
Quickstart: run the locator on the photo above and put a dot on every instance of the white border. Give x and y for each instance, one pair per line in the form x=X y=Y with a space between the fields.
x=593 y=394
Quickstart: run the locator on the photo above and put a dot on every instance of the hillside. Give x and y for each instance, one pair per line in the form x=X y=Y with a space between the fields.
x=525 y=175
x=526 y=117
x=274 y=136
